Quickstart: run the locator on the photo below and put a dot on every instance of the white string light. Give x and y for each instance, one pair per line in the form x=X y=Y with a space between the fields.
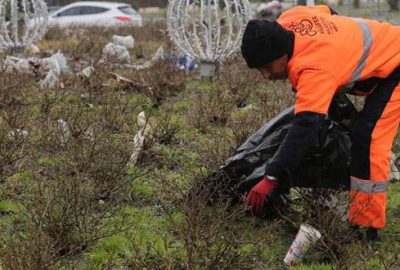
x=22 y=23
x=207 y=30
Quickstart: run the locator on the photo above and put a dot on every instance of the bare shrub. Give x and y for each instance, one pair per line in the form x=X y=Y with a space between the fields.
x=162 y=135
x=243 y=124
x=14 y=121
x=13 y=149
x=154 y=31
x=89 y=88
x=209 y=107
x=148 y=38
x=78 y=181
x=239 y=80
x=165 y=129
x=390 y=260
x=208 y=237
x=214 y=150
x=273 y=97
x=28 y=249
x=157 y=82
x=89 y=47
x=72 y=199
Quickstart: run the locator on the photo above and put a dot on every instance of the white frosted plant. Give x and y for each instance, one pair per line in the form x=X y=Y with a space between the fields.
x=22 y=23
x=208 y=31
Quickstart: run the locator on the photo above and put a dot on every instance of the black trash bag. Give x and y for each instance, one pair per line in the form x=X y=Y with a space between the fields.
x=327 y=167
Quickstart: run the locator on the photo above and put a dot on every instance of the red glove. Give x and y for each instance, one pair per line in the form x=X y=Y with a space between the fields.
x=257 y=195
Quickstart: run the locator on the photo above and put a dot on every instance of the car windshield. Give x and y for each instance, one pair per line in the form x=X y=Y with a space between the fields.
x=127 y=10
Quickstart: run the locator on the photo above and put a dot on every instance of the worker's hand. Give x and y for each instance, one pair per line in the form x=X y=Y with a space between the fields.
x=258 y=194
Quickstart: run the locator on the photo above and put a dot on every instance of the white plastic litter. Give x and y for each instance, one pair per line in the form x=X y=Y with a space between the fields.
x=13 y=64
x=89 y=134
x=50 y=80
x=87 y=71
x=116 y=53
x=159 y=55
x=55 y=65
x=141 y=120
x=138 y=140
x=61 y=61
x=57 y=62
x=17 y=133
x=65 y=132
x=51 y=67
x=126 y=41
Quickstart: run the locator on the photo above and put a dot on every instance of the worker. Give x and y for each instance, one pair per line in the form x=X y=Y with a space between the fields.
x=322 y=53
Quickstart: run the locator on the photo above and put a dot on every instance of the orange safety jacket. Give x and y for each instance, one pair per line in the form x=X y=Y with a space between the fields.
x=330 y=53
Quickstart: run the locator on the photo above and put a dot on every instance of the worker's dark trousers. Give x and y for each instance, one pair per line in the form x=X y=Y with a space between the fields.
x=373 y=136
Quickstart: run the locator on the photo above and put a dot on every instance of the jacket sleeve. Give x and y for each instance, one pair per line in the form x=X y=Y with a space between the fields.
x=315 y=90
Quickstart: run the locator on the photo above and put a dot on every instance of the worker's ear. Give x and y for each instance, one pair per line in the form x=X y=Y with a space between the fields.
x=283 y=59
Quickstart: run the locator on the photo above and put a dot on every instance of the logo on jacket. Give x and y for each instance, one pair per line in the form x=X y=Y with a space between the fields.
x=304 y=27
x=314 y=25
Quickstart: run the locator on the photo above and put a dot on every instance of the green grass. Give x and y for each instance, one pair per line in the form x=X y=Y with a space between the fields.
x=146 y=237
x=198 y=138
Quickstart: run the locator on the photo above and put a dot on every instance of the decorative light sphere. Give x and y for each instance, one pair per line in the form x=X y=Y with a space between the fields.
x=22 y=23
x=207 y=30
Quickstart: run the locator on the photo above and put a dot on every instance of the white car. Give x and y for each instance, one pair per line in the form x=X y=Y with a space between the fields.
x=95 y=14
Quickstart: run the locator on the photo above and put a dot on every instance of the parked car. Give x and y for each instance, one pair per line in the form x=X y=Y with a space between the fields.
x=95 y=14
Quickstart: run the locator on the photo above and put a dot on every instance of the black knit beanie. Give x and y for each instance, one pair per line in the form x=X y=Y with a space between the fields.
x=265 y=41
